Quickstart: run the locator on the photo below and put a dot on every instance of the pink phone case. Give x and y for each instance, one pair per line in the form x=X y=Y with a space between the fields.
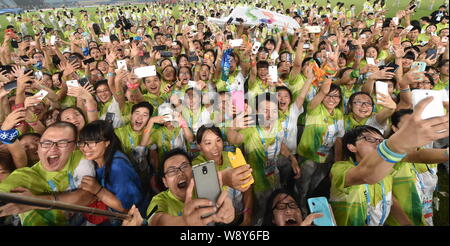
x=237 y=98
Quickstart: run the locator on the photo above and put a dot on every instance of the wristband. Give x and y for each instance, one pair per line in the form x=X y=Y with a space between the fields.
x=101 y=187
x=183 y=123
x=91 y=110
x=16 y=106
x=34 y=123
x=111 y=74
x=9 y=136
x=405 y=90
x=387 y=154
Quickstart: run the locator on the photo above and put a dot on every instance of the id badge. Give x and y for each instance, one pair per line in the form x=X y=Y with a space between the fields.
x=229 y=148
x=270 y=168
x=427 y=206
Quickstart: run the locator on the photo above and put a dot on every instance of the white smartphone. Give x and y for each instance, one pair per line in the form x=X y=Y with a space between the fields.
x=363 y=36
x=409 y=28
x=146 y=71
x=236 y=42
x=41 y=94
x=382 y=88
x=273 y=73
x=274 y=55
x=313 y=29
x=256 y=47
x=52 y=40
x=435 y=108
x=122 y=64
x=73 y=83
x=306 y=46
x=105 y=39
x=395 y=19
x=126 y=41
x=370 y=61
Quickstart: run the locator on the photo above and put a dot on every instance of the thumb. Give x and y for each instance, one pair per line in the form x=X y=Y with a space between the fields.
x=189 y=191
x=418 y=109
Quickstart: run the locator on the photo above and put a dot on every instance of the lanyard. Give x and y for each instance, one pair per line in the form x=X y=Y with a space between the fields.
x=286 y=124
x=172 y=141
x=266 y=148
x=131 y=140
x=384 y=203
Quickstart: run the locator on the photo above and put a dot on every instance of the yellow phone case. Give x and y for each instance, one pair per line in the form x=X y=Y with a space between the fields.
x=237 y=159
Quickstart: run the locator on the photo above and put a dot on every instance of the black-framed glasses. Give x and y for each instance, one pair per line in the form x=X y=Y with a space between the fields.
x=368 y=104
x=284 y=205
x=172 y=171
x=334 y=97
x=372 y=140
x=59 y=144
x=89 y=144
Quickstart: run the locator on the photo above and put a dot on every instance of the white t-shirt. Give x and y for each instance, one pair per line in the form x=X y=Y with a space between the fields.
x=290 y=127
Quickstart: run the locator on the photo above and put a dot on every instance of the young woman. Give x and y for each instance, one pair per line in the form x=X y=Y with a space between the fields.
x=116 y=183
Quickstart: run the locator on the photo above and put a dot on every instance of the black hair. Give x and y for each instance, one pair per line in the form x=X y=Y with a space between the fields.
x=397 y=116
x=99 y=83
x=201 y=131
x=170 y=154
x=142 y=105
x=279 y=88
x=33 y=134
x=352 y=136
x=63 y=124
x=101 y=130
x=179 y=70
x=262 y=64
x=65 y=109
x=430 y=78
x=268 y=214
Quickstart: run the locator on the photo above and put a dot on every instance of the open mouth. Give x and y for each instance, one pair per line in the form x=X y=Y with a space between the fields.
x=182 y=184
x=53 y=160
x=282 y=104
x=138 y=124
x=291 y=221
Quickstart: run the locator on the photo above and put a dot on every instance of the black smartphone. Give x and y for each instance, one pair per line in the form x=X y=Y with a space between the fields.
x=229 y=36
x=88 y=61
x=192 y=58
x=166 y=54
x=83 y=81
x=14 y=44
x=110 y=117
x=354 y=29
x=391 y=65
x=431 y=53
x=72 y=58
x=412 y=7
x=229 y=20
x=24 y=58
x=10 y=85
x=159 y=47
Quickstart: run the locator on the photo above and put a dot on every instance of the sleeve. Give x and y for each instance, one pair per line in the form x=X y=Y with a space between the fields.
x=125 y=183
x=157 y=205
x=338 y=173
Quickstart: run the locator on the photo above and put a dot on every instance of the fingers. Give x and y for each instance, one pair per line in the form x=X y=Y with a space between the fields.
x=418 y=109
x=189 y=191
x=310 y=218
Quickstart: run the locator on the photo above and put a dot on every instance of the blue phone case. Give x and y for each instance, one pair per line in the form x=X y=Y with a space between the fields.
x=320 y=205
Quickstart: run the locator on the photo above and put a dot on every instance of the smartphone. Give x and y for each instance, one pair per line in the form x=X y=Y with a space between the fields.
x=421 y=66
x=321 y=205
x=207 y=181
x=10 y=86
x=409 y=28
x=159 y=47
x=110 y=117
x=41 y=94
x=393 y=66
x=137 y=38
x=229 y=37
x=382 y=87
x=122 y=64
x=395 y=19
x=192 y=58
x=370 y=61
x=256 y=47
x=53 y=40
x=306 y=46
x=25 y=58
x=105 y=39
x=274 y=55
x=166 y=54
x=273 y=73
x=236 y=160
x=14 y=44
x=238 y=100
x=412 y=7
x=236 y=42
x=73 y=83
x=83 y=81
x=146 y=71
x=88 y=61
x=313 y=29
x=431 y=53
x=435 y=108
x=38 y=75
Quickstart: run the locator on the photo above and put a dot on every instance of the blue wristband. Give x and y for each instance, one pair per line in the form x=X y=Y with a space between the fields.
x=9 y=136
x=385 y=148
x=383 y=156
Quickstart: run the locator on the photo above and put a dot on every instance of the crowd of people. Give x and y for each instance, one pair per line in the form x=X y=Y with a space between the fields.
x=113 y=109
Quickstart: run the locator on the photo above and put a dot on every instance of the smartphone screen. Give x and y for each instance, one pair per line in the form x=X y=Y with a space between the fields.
x=10 y=86
x=435 y=108
x=238 y=100
x=83 y=81
x=206 y=181
x=381 y=87
x=110 y=117
x=88 y=61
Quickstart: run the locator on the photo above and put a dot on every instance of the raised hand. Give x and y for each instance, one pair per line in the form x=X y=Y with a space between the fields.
x=13 y=119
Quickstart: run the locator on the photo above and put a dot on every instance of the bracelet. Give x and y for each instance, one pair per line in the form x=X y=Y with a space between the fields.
x=111 y=74
x=34 y=123
x=144 y=222
x=91 y=110
x=101 y=187
x=387 y=154
x=285 y=38
x=9 y=136
x=405 y=90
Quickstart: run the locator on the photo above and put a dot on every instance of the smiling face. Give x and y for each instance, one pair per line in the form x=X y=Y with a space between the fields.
x=139 y=118
x=332 y=100
x=286 y=211
x=177 y=180
x=55 y=158
x=363 y=147
x=269 y=110
x=211 y=146
x=73 y=116
x=103 y=93
x=362 y=106
x=169 y=73
x=184 y=76
x=153 y=84
x=284 y=99
x=94 y=151
x=371 y=53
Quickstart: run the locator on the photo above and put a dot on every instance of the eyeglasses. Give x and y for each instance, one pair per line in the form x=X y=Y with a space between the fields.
x=90 y=144
x=372 y=140
x=60 y=144
x=172 y=171
x=284 y=205
x=334 y=97
x=423 y=83
x=368 y=104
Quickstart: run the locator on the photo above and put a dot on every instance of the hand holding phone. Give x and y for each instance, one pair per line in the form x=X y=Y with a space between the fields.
x=41 y=94
x=207 y=181
x=419 y=66
x=237 y=160
x=122 y=65
x=143 y=72
x=382 y=88
x=320 y=205
x=435 y=108
x=256 y=47
x=72 y=83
